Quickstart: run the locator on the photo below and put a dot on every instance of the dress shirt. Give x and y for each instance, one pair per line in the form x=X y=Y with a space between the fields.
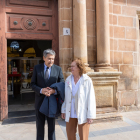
x=75 y=88
x=49 y=70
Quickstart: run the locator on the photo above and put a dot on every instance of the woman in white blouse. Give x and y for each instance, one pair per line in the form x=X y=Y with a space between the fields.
x=79 y=107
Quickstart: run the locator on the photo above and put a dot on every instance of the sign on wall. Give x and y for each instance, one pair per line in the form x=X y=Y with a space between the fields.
x=66 y=31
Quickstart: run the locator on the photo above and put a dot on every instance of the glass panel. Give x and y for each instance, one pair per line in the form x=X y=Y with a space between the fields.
x=19 y=81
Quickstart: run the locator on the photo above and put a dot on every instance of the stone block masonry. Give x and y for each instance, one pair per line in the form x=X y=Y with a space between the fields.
x=124 y=44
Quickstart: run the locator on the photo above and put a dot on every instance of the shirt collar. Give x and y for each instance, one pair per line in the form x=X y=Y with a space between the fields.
x=45 y=67
x=78 y=80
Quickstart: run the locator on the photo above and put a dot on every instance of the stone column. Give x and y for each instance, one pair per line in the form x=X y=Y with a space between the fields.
x=3 y=64
x=80 y=31
x=103 y=40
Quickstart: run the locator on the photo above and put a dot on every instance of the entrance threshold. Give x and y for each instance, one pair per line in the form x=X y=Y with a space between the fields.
x=26 y=107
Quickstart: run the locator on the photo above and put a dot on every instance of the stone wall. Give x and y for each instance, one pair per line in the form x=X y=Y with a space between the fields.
x=124 y=46
x=66 y=42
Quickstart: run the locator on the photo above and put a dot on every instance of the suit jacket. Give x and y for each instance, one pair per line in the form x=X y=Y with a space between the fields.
x=38 y=81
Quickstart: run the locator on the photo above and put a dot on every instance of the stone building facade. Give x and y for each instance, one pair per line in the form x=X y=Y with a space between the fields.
x=103 y=33
x=120 y=46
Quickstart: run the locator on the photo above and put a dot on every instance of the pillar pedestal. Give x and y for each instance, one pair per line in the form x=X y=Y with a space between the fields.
x=104 y=68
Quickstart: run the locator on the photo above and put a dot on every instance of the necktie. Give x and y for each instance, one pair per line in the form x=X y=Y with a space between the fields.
x=47 y=74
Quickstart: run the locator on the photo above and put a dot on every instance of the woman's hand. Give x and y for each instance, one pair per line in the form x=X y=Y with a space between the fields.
x=89 y=121
x=63 y=115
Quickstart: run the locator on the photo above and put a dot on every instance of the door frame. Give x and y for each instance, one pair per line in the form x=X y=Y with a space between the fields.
x=4 y=36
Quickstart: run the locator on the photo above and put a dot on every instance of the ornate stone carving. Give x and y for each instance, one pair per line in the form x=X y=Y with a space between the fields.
x=44 y=24
x=15 y=23
x=30 y=24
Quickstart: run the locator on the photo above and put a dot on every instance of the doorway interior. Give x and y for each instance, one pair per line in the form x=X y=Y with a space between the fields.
x=22 y=56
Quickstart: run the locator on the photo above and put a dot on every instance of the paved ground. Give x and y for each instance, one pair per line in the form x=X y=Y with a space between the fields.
x=128 y=129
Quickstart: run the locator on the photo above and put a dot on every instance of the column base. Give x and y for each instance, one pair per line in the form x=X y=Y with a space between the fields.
x=104 y=68
x=88 y=69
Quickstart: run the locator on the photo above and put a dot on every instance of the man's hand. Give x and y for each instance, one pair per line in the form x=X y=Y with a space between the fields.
x=89 y=121
x=63 y=115
x=50 y=90
x=45 y=91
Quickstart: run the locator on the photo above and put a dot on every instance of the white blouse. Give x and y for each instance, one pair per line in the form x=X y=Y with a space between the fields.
x=75 y=88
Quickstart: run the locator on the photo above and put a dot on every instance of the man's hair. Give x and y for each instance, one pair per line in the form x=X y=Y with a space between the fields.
x=48 y=51
x=80 y=65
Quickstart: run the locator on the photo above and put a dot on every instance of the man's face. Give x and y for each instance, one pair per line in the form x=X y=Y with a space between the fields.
x=49 y=60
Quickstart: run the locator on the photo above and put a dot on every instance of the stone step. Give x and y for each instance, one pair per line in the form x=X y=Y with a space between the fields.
x=16 y=114
x=105 y=110
x=20 y=117
x=107 y=114
x=19 y=120
x=108 y=117
x=103 y=115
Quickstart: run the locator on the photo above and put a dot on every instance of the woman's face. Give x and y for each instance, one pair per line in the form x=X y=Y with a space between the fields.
x=74 y=69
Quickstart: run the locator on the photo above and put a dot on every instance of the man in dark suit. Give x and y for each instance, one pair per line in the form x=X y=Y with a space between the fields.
x=44 y=75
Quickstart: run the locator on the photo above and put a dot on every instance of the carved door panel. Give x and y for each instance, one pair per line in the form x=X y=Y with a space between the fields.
x=38 y=3
x=33 y=20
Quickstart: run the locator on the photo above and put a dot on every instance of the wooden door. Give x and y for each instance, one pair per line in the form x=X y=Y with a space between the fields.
x=33 y=20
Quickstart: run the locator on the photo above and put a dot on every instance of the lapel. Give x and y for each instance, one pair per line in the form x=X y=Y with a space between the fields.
x=42 y=70
x=69 y=82
x=52 y=71
x=81 y=86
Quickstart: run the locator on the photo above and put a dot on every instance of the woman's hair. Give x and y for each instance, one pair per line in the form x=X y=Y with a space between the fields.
x=80 y=65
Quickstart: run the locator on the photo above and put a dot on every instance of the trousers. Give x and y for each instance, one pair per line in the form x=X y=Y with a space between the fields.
x=71 y=128
x=40 y=126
